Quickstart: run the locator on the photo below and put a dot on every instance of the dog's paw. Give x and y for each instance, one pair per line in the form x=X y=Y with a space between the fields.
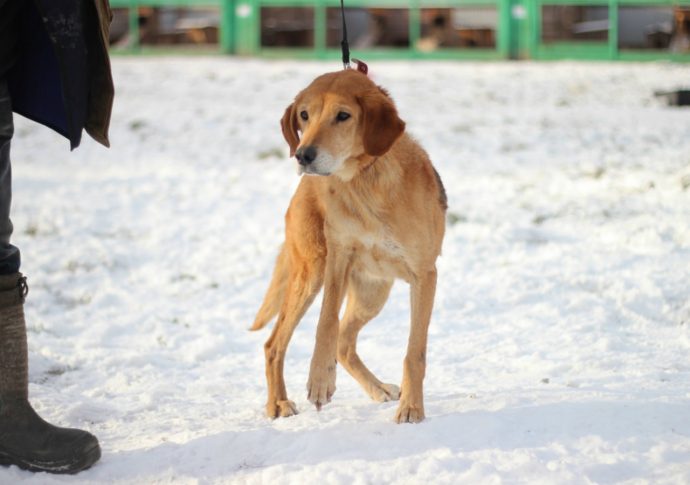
x=280 y=409
x=321 y=385
x=385 y=393
x=409 y=413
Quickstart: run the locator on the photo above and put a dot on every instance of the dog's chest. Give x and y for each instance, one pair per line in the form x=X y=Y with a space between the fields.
x=375 y=251
x=361 y=226
x=381 y=257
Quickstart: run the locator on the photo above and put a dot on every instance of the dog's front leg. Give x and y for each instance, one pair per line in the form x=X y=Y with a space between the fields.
x=321 y=384
x=411 y=408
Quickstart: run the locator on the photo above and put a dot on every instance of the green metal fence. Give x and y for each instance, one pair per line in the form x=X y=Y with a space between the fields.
x=249 y=29
x=518 y=33
x=227 y=27
x=608 y=49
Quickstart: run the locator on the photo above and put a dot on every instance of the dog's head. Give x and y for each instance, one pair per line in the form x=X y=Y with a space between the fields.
x=338 y=123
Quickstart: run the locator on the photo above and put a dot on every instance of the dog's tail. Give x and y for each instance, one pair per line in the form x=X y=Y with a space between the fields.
x=275 y=293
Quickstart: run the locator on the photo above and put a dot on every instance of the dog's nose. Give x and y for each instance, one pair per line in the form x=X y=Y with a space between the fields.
x=306 y=155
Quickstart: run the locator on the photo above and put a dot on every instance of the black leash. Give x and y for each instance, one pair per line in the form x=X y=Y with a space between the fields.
x=361 y=66
x=344 y=45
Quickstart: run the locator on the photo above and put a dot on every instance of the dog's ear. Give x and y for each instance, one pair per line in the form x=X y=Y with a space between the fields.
x=382 y=126
x=289 y=126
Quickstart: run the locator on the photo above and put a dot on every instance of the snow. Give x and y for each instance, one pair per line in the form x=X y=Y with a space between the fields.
x=559 y=348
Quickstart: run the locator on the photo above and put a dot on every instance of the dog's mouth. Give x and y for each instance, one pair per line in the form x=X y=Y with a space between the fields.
x=310 y=170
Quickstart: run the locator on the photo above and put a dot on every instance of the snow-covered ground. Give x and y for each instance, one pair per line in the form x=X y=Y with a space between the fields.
x=559 y=349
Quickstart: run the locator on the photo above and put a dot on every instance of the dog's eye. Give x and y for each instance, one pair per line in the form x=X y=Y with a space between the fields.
x=342 y=116
x=304 y=115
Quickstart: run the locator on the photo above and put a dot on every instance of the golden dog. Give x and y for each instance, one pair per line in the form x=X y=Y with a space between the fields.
x=372 y=210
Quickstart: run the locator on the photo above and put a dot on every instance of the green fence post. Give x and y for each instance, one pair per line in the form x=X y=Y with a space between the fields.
x=613 y=29
x=533 y=23
x=516 y=22
x=227 y=26
x=504 y=36
x=133 y=12
x=414 y=26
x=247 y=30
x=320 y=28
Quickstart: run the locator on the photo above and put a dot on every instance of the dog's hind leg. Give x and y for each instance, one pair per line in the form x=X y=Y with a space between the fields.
x=365 y=300
x=302 y=287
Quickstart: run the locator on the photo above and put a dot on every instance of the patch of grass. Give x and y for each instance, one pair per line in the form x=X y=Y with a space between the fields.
x=31 y=230
x=136 y=125
x=685 y=182
x=455 y=218
x=270 y=153
x=183 y=277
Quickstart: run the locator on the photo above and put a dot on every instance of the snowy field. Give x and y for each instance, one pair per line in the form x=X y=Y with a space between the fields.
x=559 y=348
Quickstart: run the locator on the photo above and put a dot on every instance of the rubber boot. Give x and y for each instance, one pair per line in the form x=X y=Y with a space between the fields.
x=26 y=440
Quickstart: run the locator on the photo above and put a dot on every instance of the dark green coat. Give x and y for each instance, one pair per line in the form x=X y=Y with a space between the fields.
x=61 y=77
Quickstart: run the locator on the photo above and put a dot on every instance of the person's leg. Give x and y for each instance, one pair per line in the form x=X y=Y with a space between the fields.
x=9 y=255
x=26 y=440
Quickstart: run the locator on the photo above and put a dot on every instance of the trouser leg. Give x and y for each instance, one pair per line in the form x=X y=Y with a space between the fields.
x=26 y=440
x=9 y=255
